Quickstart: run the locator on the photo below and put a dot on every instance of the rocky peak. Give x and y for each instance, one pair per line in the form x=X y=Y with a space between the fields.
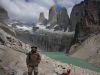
x=63 y=18
x=3 y=14
x=90 y=23
x=52 y=15
x=41 y=17
x=76 y=15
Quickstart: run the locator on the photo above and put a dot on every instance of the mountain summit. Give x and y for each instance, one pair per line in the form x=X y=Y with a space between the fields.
x=52 y=15
x=3 y=14
x=41 y=18
x=56 y=21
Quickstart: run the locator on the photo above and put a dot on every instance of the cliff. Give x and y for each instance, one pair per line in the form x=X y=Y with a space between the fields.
x=76 y=15
x=52 y=15
x=3 y=14
x=52 y=41
x=63 y=19
x=42 y=19
x=87 y=33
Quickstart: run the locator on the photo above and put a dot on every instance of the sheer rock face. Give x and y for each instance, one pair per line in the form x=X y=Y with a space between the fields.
x=88 y=27
x=52 y=15
x=3 y=14
x=76 y=15
x=42 y=19
x=63 y=18
x=89 y=24
x=52 y=41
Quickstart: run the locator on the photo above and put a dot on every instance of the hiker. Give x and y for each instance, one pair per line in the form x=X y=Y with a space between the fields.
x=32 y=61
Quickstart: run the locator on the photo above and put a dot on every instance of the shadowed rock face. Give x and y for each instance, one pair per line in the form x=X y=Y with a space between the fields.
x=87 y=28
x=3 y=14
x=89 y=24
x=76 y=15
x=52 y=15
x=48 y=41
x=63 y=19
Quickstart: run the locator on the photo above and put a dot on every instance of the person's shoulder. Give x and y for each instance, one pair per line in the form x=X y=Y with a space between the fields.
x=28 y=53
x=38 y=53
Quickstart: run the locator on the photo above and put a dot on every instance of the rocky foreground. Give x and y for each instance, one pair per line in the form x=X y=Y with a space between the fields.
x=13 y=60
x=13 y=63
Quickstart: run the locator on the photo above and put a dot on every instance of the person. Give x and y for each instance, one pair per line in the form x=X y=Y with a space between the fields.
x=32 y=61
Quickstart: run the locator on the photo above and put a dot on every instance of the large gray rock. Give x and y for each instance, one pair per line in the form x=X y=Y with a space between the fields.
x=52 y=15
x=42 y=19
x=77 y=14
x=3 y=14
x=63 y=19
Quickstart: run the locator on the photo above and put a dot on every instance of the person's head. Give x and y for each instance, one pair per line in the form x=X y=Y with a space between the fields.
x=34 y=48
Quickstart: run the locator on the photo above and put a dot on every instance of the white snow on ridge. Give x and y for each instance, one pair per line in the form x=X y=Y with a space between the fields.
x=9 y=25
x=41 y=26
x=24 y=28
x=56 y=25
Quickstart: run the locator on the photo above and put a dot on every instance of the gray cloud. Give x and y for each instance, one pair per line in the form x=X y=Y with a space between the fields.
x=29 y=11
x=26 y=11
x=68 y=4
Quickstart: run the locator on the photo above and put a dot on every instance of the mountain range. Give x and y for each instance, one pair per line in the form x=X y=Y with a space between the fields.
x=57 y=32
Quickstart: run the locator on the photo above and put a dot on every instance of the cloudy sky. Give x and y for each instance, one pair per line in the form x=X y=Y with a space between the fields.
x=28 y=10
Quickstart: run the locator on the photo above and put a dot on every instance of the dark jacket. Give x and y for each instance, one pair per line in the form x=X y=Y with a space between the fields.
x=33 y=59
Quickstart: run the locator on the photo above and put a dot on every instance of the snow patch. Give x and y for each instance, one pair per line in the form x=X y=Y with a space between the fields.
x=56 y=25
x=41 y=26
x=24 y=28
x=9 y=25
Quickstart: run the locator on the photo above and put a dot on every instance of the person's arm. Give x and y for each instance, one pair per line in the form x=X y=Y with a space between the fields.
x=39 y=58
x=27 y=60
